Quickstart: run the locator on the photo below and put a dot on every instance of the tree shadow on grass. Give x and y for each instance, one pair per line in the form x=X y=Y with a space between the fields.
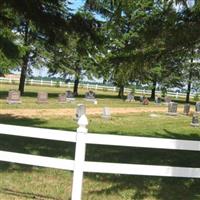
x=27 y=195
x=189 y=136
x=146 y=187
x=21 y=121
x=33 y=146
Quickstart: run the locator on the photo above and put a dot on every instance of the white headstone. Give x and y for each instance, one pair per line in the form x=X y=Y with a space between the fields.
x=106 y=113
x=80 y=110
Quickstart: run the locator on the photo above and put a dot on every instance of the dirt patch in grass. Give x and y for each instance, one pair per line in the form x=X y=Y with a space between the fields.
x=71 y=111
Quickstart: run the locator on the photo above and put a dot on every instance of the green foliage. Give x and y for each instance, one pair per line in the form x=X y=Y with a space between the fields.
x=133 y=88
x=77 y=58
x=196 y=97
x=163 y=91
x=149 y=36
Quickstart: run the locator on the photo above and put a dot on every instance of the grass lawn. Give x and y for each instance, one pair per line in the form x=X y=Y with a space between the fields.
x=20 y=182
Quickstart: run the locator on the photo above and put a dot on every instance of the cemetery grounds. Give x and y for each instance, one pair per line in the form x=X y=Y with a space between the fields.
x=20 y=182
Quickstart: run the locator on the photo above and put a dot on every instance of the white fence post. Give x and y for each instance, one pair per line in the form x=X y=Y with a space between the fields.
x=79 y=158
x=176 y=95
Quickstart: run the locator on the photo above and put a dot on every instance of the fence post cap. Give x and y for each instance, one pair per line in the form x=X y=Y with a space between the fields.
x=82 y=122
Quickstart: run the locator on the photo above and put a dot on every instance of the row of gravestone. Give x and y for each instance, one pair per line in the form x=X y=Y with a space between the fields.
x=172 y=108
x=42 y=97
x=14 y=97
x=144 y=100
x=81 y=110
x=131 y=98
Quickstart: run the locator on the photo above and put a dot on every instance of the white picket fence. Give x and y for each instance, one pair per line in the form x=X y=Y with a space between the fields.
x=79 y=165
x=88 y=86
x=60 y=84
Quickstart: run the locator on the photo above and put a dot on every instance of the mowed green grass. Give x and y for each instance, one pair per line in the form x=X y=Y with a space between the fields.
x=20 y=182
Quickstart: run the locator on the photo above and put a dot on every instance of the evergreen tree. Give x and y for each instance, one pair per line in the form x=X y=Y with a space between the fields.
x=76 y=58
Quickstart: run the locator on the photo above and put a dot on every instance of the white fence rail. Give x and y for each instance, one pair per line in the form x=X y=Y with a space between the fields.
x=88 y=86
x=79 y=165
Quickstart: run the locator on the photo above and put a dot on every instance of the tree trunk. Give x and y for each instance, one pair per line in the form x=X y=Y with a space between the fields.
x=190 y=80
x=121 y=91
x=153 y=91
x=24 y=61
x=189 y=87
x=76 y=82
x=23 y=74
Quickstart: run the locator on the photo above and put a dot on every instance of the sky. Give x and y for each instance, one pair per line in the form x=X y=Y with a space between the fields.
x=76 y=4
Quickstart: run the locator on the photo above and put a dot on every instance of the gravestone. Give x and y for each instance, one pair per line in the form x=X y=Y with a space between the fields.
x=141 y=98
x=62 y=98
x=145 y=101
x=13 y=97
x=90 y=95
x=167 y=100
x=172 y=108
x=70 y=96
x=157 y=100
x=42 y=97
x=195 y=120
x=106 y=113
x=80 y=110
x=186 y=109
x=197 y=107
x=130 y=97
